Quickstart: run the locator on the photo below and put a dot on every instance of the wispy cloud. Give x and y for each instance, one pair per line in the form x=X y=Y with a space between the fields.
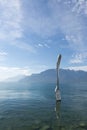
x=78 y=58
x=40 y=45
x=22 y=22
x=84 y=68
x=80 y=6
x=3 y=55
x=59 y=18
x=39 y=18
x=25 y=46
x=43 y=45
x=74 y=26
x=10 y=20
x=11 y=29
x=46 y=45
x=44 y=20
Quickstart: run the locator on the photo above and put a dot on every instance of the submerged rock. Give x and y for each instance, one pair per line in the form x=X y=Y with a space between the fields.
x=83 y=125
x=46 y=127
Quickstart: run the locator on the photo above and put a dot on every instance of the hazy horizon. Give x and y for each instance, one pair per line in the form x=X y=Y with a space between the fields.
x=19 y=77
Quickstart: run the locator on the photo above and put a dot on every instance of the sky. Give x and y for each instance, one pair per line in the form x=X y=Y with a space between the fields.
x=34 y=32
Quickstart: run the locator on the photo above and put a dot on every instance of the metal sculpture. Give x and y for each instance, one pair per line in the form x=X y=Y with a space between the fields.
x=57 y=91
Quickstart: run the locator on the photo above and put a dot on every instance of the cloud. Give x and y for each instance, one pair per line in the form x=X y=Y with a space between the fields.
x=47 y=20
x=7 y=72
x=75 y=32
x=25 y=46
x=21 y=20
x=78 y=58
x=43 y=45
x=3 y=55
x=80 y=7
x=40 y=45
x=46 y=45
x=84 y=68
x=39 y=18
x=11 y=30
x=44 y=20
x=10 y=20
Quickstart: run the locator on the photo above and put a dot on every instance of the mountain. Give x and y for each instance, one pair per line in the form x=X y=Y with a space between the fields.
x=49 y=76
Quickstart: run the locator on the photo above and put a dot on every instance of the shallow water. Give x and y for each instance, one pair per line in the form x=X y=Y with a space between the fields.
x=33 y=107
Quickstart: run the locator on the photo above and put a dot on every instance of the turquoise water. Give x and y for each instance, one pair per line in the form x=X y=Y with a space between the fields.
x=33 y=107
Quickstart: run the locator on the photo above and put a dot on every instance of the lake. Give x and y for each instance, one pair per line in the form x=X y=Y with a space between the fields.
x=33 y=107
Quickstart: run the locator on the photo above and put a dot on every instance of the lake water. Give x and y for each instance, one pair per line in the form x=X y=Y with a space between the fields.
x=33 y=107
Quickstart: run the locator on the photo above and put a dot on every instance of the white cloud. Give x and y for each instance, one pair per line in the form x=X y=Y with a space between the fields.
x=78 y=58
x=2 y=53
x=46 y=45
x=38 y=20
x=10 y=20
x=44 y=20
x=40 y=45
x=25 y=46
x=84 y=68
x=43 y=45
x=76 y=61
x=54 y=17
x=74 y=32
x=11 y=28
x=7 y=72
x=80 y=7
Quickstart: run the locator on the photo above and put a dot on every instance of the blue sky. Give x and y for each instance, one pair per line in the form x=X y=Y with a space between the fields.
x=34 y=32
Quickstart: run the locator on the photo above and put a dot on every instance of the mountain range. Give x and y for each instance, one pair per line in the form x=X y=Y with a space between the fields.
x=49 y=76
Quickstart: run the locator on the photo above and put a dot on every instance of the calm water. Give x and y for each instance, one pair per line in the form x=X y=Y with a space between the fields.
x=33 y=107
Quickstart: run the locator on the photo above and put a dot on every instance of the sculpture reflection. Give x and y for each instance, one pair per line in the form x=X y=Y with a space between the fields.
x=57 y=109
